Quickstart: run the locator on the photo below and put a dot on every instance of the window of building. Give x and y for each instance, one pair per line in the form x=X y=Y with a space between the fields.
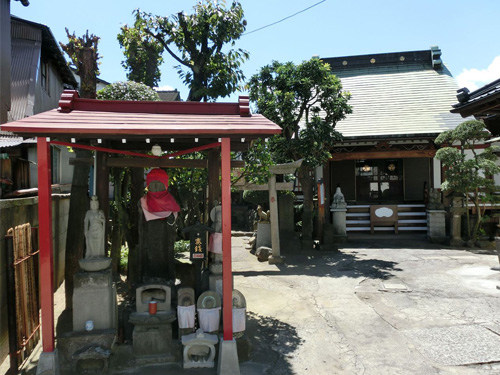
x=44 y=76
x=379 y=180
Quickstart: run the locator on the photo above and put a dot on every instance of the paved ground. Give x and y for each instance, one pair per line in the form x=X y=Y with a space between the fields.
x=379 y=306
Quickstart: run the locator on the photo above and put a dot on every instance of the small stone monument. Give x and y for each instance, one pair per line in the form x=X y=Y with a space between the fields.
x=209 y=306
x=239 y=313
x=152 y=335
x=186 y=311
x=94 y=229
x=339 y=210
x=94 y=295
x=436 y=225
x=263 y=229
x=199 y=350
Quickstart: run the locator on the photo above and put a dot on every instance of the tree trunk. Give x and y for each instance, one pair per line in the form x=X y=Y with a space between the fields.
x=136 y=192
x=307 y=184
x=116 y=245
x=75 y=240
x=87 y=72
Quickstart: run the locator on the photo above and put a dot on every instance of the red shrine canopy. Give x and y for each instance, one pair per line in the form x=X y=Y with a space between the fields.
x=208 y=124
x=111 y=119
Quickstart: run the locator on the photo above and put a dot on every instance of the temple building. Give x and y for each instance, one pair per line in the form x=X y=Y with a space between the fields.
x=400 y=103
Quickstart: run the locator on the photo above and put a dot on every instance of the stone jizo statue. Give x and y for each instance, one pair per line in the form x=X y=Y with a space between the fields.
x=95 y=223
x=338 y=199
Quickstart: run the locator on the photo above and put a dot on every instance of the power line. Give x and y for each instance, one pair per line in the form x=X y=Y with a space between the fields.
x=283 y=19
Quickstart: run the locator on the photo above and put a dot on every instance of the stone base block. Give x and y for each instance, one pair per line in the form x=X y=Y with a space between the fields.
x=48 y=363
x=263 y=235
x=79 y=350
x=152 y=336
x=94 y=298
x=228 y=358
x=276 y=259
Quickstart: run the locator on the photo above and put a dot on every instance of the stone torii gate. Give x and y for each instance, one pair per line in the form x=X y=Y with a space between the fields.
x=273 y=188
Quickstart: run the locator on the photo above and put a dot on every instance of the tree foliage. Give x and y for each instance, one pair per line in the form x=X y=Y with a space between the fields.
x=307 y=101
x=468 y=171
x=83 y=54
x=188 y=186
x=128 y=91
x=202 y=45
x=142 y=53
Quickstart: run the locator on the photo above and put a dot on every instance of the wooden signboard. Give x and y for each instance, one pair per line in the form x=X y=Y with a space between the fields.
x=383 y=216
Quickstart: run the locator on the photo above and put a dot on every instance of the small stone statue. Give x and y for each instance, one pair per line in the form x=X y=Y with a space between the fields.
x=95 y=222
x=264 y=217
x=338 y=199
x=434 y=200
x=216 y=217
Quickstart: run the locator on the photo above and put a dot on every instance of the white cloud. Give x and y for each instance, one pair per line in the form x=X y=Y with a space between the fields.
x=164 y=88
x=474 y=78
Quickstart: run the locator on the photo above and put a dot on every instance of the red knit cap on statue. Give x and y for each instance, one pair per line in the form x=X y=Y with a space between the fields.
x=157 y=174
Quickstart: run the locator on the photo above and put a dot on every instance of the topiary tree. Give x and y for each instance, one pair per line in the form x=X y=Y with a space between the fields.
x=468 y=170
x=128 y=91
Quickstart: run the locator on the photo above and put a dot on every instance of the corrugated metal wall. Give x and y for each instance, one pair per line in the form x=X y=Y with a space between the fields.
x=25 y=57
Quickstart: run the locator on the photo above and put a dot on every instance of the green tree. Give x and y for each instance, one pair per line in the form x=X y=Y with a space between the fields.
x=202 y=39
x=307 y=101
x=127 y=91
x=83 y=54
x=468 y=171
x=142 y=53
x=188 y=186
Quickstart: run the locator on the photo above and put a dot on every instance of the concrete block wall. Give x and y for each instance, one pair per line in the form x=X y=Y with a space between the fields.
x=25 y=210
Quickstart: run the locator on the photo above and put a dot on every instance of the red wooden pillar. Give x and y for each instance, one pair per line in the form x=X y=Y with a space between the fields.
x=227 y=279
x=45 y=243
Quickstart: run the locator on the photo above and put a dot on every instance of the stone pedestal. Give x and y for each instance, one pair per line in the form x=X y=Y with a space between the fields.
x=457 y=210
x=81 y=352
x=48 y=364
x=264 y=235
x=339 y=225
x=436 y=226
x=228 y=358
x=94 y=298
x=339 y=210
x=152 y=336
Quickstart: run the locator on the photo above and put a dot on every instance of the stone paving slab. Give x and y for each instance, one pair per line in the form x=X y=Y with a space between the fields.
x=457 y=345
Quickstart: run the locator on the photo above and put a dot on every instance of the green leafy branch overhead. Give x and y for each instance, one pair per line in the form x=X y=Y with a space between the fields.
x=199 y=42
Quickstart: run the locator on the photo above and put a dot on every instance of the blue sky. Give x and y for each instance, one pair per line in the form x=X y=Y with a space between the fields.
x=464 y=30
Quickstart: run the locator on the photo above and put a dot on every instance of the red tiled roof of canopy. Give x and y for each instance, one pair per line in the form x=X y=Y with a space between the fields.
x=87 y=118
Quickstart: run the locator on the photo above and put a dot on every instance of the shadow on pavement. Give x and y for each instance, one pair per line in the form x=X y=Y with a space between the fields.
x=272 y=343
x=331 y=264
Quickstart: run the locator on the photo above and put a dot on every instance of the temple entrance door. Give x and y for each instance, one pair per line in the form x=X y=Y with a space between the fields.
x=379 y=180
